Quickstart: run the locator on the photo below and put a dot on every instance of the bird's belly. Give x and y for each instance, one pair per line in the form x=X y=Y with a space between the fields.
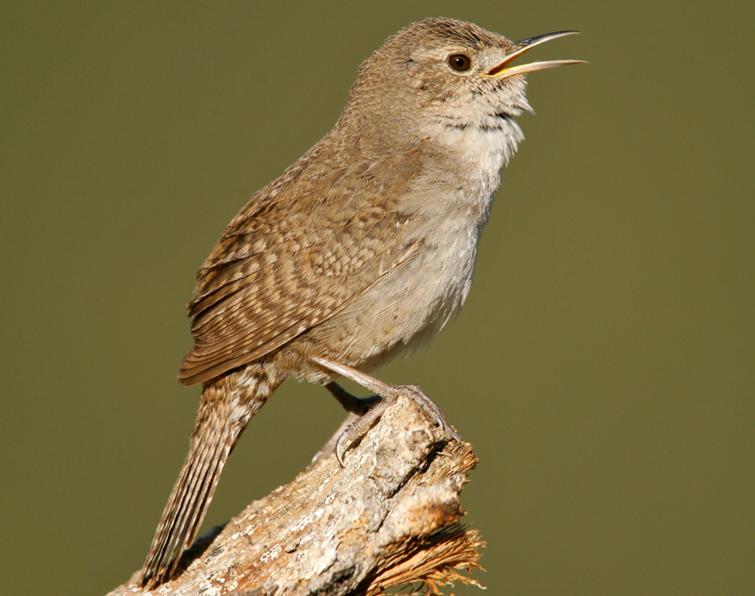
x=406 y=307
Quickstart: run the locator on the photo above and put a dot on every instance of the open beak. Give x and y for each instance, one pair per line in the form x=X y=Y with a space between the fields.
x=504 y=71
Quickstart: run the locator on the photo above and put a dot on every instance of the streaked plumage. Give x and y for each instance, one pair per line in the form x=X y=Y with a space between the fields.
x=361 y=249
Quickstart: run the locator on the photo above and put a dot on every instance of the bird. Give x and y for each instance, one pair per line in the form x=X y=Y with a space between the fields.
x=361 y=250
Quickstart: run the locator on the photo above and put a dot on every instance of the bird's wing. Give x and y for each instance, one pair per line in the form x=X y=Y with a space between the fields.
x=301 y=250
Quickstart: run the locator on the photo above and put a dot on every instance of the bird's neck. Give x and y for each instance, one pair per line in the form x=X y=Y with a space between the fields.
x=479 y=153
x=481 y=147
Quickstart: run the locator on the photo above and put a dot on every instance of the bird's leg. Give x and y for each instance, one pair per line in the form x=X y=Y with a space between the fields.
x=357 y=407
x=370 y=409
x=351 y=403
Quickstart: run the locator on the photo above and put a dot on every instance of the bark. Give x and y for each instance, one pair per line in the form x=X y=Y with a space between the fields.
x=390 y=517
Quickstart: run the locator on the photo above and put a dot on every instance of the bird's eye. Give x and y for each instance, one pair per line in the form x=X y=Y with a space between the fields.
x=459 y=62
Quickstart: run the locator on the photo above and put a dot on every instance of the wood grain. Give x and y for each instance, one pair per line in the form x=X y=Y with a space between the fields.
x=390 y=517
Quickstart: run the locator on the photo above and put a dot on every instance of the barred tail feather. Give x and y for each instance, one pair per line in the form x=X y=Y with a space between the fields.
x=227 y=406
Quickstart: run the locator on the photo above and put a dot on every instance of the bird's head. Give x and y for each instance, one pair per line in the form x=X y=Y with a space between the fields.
x=441 y=71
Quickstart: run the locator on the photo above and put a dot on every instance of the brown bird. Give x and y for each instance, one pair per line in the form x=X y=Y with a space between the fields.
x=362 y=248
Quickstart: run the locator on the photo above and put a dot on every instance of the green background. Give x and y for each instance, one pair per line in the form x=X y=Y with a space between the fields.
x=602 y=366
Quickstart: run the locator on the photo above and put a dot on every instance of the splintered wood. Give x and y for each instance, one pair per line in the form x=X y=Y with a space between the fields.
x=390 y=517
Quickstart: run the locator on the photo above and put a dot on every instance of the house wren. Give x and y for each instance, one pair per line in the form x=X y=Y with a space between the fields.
x=361 y=249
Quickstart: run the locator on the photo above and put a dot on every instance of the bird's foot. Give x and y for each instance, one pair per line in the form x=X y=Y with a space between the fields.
x=357 y=430
x=370 y=409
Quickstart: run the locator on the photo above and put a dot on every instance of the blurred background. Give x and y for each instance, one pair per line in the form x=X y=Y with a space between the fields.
x=602 y=366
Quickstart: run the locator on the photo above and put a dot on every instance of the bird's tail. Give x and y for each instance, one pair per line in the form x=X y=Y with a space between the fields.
x=227 y=406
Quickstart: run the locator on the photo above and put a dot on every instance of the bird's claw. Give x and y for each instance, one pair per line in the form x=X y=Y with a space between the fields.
x=361 y=426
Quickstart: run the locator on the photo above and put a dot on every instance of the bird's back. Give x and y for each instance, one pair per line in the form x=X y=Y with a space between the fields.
x=299 y=251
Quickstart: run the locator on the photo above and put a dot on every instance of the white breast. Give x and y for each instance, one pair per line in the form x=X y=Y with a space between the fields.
x=462 y=214
x=409 y=306
x=455 y=220
x=484 y=151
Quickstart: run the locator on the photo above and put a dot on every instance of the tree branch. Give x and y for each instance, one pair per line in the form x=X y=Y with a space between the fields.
x=390 y=516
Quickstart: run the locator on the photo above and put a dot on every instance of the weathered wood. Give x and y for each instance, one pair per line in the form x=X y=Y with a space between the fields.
x=390 y=516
